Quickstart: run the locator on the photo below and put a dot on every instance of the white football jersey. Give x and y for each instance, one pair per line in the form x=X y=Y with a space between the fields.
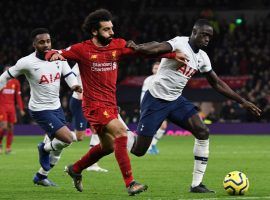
x=76 y=71
x=44 y=80
x=146 y=85
x=171 y=79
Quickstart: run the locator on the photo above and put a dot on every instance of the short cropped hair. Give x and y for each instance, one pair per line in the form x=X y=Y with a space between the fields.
x=38 y=31
x=92 y=21
x=202 y=22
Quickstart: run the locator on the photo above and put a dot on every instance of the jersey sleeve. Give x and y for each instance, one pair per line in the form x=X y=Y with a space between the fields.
x=173 y=43
x=72 y=53
x=69 y=75
x=125 y=51
x=18 y=92
x=206 y=66
x=17 y=69
x=75 y=69
x=12 y=72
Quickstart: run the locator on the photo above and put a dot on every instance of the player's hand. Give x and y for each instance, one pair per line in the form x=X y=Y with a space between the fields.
x=57 y=56
x=181 y=58
x=22 y=113
x=252 y=108
x=77 y=88
x=131 y=44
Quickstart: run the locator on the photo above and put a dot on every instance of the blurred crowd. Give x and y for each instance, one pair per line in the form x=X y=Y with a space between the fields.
x=237 y=48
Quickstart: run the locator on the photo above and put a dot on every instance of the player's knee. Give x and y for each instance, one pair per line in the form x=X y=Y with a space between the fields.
x=68 y=141
x=139 y=152
x=202 y=133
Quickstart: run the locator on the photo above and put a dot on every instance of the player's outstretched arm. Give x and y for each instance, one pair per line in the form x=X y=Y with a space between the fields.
x=221 y=87
x=150 y=48
x=160 y=50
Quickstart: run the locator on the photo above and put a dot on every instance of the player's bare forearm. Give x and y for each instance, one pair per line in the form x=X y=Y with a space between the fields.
x=151 y=48
x=221 y=87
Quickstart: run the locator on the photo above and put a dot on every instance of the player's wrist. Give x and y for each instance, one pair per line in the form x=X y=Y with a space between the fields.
x=50 y=53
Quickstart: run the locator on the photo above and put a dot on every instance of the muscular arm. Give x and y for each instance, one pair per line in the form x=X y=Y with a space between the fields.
x=221 y=87
x=151 y=48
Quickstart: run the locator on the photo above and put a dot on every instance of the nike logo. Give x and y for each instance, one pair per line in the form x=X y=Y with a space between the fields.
x=36 y=69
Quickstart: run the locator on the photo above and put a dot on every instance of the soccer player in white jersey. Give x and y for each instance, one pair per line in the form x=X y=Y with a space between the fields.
x=79 y=122
x=162 y=129
x=164 y=100
x=44 y=105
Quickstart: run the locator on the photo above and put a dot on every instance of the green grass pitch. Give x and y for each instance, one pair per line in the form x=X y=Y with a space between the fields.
x=168 y=174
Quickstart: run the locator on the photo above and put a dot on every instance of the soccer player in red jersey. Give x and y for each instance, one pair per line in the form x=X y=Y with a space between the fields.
x=10 y=96
x=98 y=59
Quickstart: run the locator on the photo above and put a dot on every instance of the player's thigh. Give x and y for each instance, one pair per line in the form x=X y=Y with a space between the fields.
x=183 y=110
x=49 y=120
x=196 y=126
x=115 y=128
x=153 y=113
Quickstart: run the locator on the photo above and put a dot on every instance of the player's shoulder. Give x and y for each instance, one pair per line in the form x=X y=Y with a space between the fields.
x=26 y=59
x=179 y=39
x=118 y=43
x=203 y=53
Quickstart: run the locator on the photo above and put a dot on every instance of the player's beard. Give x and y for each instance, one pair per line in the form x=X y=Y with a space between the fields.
x=104 y=41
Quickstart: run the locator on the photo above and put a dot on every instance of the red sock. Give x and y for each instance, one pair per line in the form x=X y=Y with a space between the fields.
x=9 y=139
x=91 y=157
x=121 y=155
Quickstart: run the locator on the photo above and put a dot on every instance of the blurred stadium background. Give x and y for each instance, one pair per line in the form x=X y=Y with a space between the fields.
x=240 y=54
x=240 y=50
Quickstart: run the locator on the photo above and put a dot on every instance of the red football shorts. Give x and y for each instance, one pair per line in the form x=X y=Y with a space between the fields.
x=3 y=116
x=8 y=114
x=100 y=117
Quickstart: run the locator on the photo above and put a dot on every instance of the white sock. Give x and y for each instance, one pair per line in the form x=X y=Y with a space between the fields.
x=201 y=152
x=43 y=172
x=160 y=132
x=94 y=140
x=74 y=136
x=130 y=134
x=55 y=145
x=55 y=157
x=46 y=139
x=131 y=139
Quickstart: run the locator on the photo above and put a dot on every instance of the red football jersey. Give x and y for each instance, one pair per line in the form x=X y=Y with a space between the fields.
x=11 y=94
x=98 y=68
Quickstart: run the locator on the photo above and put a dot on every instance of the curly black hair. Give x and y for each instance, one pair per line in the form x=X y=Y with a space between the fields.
x=38 y=31
x=92 y=21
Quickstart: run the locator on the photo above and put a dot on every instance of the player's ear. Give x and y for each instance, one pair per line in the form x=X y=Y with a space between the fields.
x=194 y=31
x=94 y=32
